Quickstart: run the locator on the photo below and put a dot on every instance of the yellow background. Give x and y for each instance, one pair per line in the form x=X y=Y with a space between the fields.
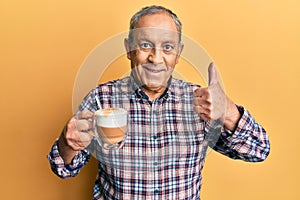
x=254 y=43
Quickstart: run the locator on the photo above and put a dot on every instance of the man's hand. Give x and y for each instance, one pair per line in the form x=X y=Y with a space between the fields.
x=211 y=103
x=77 y=135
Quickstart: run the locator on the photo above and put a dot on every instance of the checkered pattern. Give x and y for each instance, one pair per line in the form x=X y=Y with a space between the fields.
x=165 y=147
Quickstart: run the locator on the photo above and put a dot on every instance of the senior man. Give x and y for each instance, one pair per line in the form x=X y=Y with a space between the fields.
x=169 y=122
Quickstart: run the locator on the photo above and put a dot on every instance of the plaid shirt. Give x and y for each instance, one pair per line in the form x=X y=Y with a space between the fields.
x=165 y=147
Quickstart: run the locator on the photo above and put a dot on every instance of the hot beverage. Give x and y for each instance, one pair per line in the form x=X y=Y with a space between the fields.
x=111 y=124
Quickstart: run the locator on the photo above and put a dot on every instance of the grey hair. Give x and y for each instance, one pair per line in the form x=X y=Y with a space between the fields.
x=149 y=10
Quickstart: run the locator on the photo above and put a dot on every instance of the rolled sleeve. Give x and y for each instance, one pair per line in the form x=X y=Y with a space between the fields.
x=249 y=141
x=67 y=170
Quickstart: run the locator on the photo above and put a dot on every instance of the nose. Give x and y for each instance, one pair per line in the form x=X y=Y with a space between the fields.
x=156 y=56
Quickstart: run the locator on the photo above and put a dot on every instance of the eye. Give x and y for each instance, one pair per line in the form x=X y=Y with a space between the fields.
x=145 y=45
x=168 y=47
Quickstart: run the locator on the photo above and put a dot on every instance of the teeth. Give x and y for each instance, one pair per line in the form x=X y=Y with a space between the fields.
x=155 y=71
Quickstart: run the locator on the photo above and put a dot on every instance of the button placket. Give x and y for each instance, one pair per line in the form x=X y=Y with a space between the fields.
x=155 y=120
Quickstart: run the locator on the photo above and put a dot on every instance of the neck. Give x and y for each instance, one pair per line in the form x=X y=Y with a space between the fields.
x=153 y=93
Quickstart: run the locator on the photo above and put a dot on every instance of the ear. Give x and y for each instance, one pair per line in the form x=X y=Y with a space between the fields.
x=181 y=45
x=127 y=47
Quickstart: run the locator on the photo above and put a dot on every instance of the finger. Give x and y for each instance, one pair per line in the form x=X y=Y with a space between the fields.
x=85 y=139
x=79 y=140
x=74 y=143
x=77 y=146
x=202 y=110
x=84 y=125
x=84 y=136
x=204 y=117
x=71 y=126
x=204 y=114
x=202 y=92
x=199 y=101
x=85 y=114
x=212 y=74
x=84 y=120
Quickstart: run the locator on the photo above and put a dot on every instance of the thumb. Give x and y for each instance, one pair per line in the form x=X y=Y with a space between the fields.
x=212 y=74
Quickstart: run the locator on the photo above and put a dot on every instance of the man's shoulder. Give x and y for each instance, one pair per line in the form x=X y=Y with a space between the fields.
x=180 y=88
x=114 y=83
x=183 y=85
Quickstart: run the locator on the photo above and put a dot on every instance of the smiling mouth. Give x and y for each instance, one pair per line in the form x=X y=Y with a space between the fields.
x=154 y=70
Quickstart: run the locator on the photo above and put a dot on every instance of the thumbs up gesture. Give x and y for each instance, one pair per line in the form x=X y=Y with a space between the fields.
x=211 y=103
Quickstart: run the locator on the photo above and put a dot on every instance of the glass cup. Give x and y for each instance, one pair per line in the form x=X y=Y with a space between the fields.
x=110 y=126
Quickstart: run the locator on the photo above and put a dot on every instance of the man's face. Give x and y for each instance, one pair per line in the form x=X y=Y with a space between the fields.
x=154 y=51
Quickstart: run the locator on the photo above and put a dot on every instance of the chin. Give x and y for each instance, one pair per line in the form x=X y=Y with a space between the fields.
x=155 y=86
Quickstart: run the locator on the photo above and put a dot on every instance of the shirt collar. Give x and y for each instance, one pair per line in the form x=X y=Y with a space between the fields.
x=136 y=89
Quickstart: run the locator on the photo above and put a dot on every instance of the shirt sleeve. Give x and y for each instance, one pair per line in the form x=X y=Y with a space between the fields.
x=82 y=157
x=70 y=170
x=249 y=141
x=89 y=102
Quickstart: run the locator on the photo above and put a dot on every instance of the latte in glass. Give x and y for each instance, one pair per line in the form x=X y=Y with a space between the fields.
x=111 y=125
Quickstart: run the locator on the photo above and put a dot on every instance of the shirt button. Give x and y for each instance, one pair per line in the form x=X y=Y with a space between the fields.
x=156 y=191
x=155 y=137
x=155 y=163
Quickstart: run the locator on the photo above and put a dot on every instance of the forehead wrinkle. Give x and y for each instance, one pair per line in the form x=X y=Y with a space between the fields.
x=157 y=36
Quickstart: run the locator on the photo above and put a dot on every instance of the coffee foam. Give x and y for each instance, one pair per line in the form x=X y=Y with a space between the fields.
x=111 y=117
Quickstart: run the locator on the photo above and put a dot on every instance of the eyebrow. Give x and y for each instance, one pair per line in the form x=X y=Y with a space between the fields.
x=170 y=42
x=144 y=39
x=163 y=42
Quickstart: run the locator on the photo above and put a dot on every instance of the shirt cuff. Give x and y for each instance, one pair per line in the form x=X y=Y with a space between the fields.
x=66 y=170
x=244 y=122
